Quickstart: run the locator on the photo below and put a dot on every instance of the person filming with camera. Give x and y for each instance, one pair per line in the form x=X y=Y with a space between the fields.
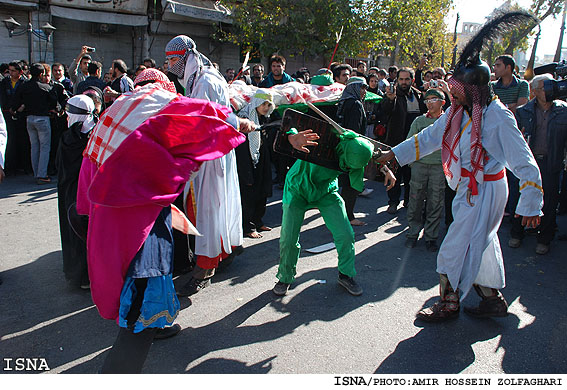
x=543 y=122
x=79 y=68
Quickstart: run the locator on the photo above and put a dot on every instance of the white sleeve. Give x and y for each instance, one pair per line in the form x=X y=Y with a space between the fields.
x=504 y=142
x=3 y=139
x=421 y=144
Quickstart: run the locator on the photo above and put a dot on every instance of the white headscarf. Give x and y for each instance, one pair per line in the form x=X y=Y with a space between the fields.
x=77 y=104
x=249 y=112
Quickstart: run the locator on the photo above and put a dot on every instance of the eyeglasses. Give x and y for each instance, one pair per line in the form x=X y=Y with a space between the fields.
x=434 y=100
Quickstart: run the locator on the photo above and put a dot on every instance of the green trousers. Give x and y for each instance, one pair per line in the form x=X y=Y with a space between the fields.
x=332 y=209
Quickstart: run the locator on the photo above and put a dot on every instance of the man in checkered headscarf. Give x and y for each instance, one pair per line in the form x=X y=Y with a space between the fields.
x=212 y=198
x=479 y=138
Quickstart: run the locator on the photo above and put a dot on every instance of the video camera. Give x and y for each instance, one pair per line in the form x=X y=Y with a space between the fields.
x=554 y=89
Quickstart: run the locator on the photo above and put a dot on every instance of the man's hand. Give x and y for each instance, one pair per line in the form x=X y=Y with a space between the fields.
x=422 y=62
x=302 y=139
x=530 y=222
x=443 y=86
x=246 y=125
x=2 y=174
x=389 y=178
x=385 y=157
x=109 y=92
x=391 y=92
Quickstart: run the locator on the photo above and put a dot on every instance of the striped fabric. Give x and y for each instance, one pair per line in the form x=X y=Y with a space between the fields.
x=123 y=117
x=516 y=90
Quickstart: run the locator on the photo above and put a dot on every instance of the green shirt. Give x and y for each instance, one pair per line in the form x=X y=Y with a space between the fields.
x=309 y=181
x=420 y=123
x=511 y=93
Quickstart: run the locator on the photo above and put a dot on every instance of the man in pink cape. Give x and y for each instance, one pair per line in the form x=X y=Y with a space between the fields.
x=139 y=157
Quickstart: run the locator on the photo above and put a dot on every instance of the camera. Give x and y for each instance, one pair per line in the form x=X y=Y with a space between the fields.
x=91 y=49
x=554 y=89
x=434 y=84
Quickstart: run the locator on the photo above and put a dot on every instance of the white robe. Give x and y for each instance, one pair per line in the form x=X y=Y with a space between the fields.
x=3 y=139
x=470 y=253
x=216 y=188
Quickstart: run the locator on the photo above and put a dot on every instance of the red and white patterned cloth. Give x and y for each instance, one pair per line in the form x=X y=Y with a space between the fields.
x=289 y=93
x=128 y=112
x=452 y=136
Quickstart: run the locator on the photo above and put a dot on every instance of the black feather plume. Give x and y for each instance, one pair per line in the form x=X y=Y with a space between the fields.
x=491 y=30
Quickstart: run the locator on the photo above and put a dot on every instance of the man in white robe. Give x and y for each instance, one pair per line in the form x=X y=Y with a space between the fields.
x=479 y=139
x=213 y=195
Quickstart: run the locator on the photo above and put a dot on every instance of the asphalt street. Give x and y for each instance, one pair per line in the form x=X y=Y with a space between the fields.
x=238 y=326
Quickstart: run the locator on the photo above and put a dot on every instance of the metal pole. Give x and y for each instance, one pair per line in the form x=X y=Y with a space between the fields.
x=30 y=48
x=557 y=56
x=453 y=63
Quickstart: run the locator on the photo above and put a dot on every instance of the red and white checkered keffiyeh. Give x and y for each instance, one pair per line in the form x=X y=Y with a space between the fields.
x=452 y=136
x=157 y=77
x=120 y=120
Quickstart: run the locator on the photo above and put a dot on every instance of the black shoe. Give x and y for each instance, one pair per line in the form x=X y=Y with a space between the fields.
x=392 y=209
x=495 y=306
x=350 y=285
x=431 y=246
x=167 y=332
x=411 y=242
x=280 y=288
x=193 y=286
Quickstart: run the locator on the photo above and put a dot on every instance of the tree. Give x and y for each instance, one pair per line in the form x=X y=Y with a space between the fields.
x=406 y=29
x=542 y=9
x=298 y=28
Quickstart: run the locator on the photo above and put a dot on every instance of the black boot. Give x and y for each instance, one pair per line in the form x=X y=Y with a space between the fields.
x=492 y=304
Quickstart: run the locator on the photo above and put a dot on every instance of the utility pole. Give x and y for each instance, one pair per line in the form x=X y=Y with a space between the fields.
x=557 y=57
x=455 y=43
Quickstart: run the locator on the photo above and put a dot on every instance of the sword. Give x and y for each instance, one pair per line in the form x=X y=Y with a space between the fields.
x=337 y=127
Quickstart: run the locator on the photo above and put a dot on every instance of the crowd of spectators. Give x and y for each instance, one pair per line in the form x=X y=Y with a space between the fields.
x=33 y=98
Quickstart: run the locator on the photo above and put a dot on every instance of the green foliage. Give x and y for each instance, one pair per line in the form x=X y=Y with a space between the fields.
x=297 y=27
x=406 y=29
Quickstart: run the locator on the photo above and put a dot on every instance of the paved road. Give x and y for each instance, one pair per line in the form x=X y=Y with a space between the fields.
x=238 y=326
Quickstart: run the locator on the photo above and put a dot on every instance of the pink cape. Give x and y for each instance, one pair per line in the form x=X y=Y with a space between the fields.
x=147 y=172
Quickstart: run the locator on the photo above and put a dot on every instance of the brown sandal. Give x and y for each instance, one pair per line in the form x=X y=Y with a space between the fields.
x=265 y=228
x=253 y=235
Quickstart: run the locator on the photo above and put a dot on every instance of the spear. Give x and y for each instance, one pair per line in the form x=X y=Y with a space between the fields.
x=242 y=68
x=339 y=35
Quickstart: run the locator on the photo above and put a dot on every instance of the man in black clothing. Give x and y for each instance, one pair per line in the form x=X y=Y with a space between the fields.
x=402 y=105
x=39 y=99
x=18 y=146
x=121 y=82
x=94 y=80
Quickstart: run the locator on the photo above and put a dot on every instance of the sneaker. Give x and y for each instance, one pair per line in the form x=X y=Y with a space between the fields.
x=431 y=246
x=514 y=242
x=167 y=332
x=541 y=249
x=350 y=285
x=366 y=192
x=392 y=209
x=281 y=288
x=411 y=242
x=193 y=286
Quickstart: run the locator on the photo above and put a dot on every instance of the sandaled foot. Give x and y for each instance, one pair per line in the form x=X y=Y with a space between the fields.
x=253 y=235
x=265 y=228
x=439 y=312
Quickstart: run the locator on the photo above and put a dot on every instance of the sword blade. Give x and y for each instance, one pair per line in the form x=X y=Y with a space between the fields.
x=337 y=127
